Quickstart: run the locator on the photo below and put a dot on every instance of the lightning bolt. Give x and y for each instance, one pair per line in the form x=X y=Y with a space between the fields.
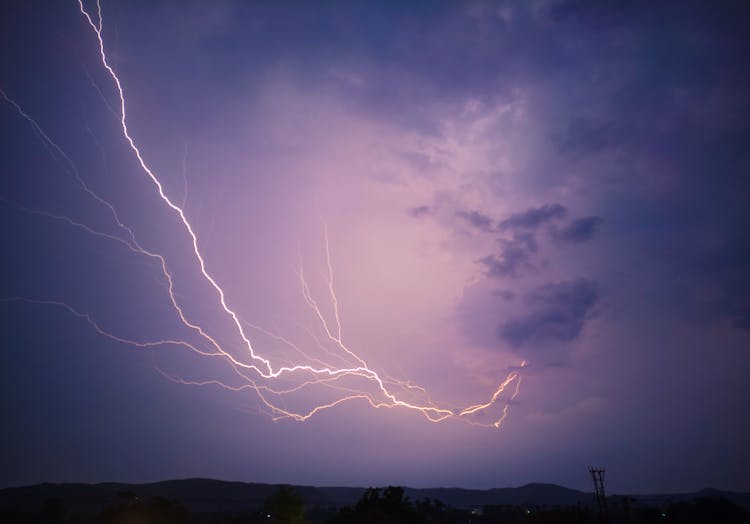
x=256 y=373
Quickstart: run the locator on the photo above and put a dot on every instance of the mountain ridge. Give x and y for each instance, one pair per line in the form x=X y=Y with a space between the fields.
x=204 y=494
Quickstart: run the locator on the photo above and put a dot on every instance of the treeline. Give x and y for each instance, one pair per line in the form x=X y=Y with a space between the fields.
x=389 y=506
x=380 y=506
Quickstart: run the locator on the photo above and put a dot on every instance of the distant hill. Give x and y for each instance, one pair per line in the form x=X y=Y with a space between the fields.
x=206 y=495
x=530 y=494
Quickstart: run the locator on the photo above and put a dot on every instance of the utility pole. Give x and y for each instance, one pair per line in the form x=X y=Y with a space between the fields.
x=601 y=500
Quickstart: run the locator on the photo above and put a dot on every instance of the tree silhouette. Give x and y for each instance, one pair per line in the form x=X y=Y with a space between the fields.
x=285 y=506
x=53 y=511
x=157 y=510
x=374 y=508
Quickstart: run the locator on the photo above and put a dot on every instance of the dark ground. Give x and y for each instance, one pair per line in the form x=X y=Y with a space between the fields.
x=212 y=501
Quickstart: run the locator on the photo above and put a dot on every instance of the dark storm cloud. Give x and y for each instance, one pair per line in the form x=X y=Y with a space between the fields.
x=587 y=135
x=732 y=304
x=515 y=256
x=580 y=230
x=728 y=265
x=505 y=265
x=476 y=219
x=420 y=211
x=560 y=310
x=533 y=218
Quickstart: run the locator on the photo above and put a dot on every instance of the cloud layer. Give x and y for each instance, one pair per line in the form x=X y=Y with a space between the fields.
x=558 y=181
x=559 y=311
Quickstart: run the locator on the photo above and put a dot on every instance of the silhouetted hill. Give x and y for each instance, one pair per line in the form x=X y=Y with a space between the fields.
x=741 y=499
x=530 y=494
x=206 y=495
x=195 y=494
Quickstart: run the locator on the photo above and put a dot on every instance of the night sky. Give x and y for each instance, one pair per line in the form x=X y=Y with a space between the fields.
x=552 y=192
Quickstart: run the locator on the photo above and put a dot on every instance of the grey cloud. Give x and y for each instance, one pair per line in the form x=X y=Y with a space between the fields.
x=515 y=255
x=476 y=219
x=420 y=211
x=560 y=311
x=505 y=265
x=581 y=230
x=534 y=217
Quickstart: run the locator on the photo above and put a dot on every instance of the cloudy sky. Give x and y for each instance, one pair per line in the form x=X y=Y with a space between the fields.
x=560 y=183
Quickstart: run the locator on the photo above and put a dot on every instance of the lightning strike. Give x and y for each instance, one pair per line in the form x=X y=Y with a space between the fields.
x=275 y=380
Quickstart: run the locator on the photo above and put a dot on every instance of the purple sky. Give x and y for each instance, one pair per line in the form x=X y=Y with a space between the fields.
x=558 y=182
